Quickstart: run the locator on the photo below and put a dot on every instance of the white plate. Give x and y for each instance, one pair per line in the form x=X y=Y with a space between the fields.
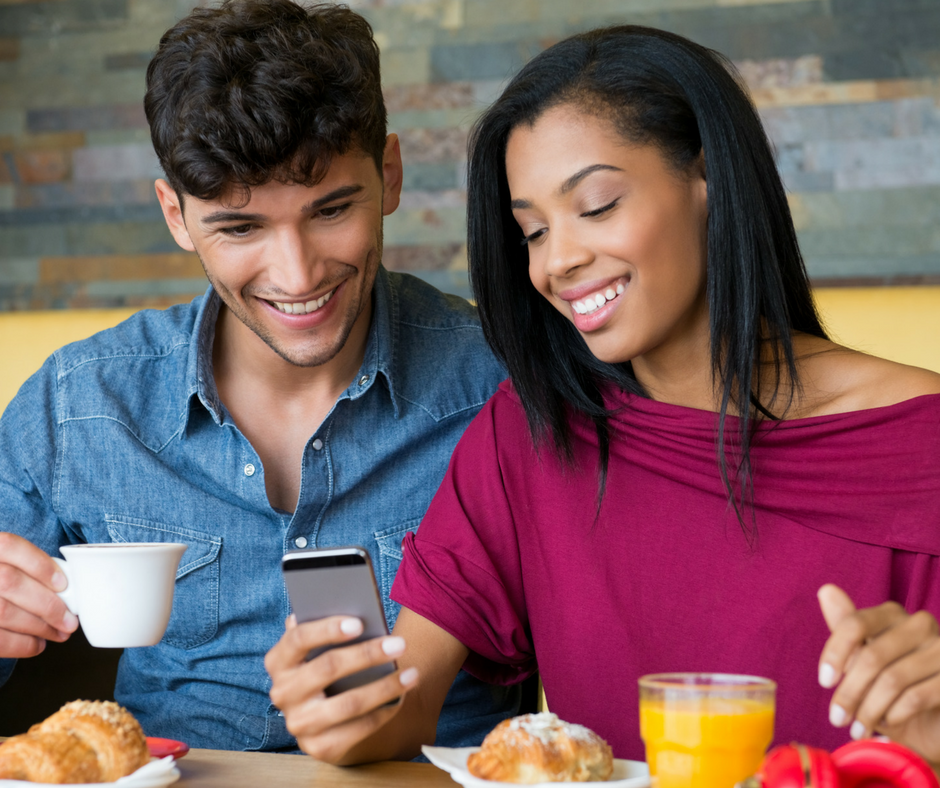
x=453 y=760
x=156 y=774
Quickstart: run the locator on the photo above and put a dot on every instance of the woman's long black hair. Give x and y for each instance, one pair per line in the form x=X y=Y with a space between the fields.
x=658 y=88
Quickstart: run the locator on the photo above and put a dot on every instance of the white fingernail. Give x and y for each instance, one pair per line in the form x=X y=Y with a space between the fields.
x=351 y=626
x=827 y=675
x=857 y=731
x=408 y=677
x=393 y=646
x=837 y=715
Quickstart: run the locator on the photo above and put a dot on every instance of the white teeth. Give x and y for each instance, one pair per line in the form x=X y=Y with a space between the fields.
x=596 y=301
x=302 y=309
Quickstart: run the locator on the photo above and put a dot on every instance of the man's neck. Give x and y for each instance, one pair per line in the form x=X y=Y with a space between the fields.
x=241 y=359
x=277 y=405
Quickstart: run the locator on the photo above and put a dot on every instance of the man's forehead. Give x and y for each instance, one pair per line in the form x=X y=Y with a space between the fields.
x=346 y=173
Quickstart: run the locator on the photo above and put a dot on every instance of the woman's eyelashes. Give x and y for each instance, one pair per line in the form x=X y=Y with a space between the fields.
x=603 y=209
x=534 y=236
x=527 y=239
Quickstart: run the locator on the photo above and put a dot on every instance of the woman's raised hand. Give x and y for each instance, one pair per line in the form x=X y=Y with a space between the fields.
x=885 y=665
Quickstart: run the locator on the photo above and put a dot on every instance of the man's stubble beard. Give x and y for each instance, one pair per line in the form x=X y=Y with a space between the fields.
x=342 y=337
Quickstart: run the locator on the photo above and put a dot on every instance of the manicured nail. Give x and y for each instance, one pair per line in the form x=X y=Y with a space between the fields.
x=827 y=675
x=837 y=715
x=393 y=646
x=351 y=626
x=857 y=731
x=59 y=583
x=408 y=677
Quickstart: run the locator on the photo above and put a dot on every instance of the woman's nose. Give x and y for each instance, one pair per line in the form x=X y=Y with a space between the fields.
x=566 y=251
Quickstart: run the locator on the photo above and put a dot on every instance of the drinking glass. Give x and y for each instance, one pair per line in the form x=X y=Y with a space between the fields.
x=705 y=730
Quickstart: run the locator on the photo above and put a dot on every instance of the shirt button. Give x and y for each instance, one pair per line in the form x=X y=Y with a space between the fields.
x=301 y=541
x=318 y=444
x=363 y=380
x=249 y=470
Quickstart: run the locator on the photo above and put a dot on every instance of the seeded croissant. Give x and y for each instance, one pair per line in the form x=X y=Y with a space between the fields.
x=83 y=742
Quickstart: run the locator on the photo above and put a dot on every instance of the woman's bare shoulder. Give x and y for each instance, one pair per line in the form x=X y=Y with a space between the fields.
x=837 y=379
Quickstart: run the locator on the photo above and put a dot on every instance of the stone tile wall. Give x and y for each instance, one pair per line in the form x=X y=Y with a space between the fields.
x=849 y=91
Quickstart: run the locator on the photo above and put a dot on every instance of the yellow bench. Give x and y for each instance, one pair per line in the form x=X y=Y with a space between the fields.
x=900 y=323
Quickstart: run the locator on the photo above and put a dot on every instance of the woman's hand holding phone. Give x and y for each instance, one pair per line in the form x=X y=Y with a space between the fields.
x=330 y=727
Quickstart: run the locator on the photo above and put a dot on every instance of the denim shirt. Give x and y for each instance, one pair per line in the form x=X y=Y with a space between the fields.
x=122 y=437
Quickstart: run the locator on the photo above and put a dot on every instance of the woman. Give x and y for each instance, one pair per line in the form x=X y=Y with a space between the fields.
x=682 y=458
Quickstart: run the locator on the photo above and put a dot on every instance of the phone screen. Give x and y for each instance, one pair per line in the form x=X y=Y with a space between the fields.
x=337 y=581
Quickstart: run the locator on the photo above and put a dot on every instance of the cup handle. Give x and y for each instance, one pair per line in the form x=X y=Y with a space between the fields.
x=70 y=594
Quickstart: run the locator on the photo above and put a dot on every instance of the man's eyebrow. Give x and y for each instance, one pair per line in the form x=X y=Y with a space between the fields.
x=230 y=216
x=336 y=194
x=569 y=183
x=312 y=207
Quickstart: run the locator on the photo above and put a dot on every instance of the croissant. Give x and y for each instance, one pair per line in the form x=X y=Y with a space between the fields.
x=537 y=748
x=83 y=742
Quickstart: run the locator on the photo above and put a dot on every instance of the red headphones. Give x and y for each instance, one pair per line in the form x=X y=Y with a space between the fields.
x=869 y=763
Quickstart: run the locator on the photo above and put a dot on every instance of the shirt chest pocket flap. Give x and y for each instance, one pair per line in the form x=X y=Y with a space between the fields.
x=390 y=555
x=195 y=616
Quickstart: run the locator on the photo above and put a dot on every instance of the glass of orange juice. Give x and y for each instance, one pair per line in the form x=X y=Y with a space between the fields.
x=705 y=730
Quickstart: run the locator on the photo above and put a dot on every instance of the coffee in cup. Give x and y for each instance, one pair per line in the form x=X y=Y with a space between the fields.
x=122 y=592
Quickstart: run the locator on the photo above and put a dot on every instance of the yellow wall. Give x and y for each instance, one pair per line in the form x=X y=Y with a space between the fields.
x=28 y=338
x=900 y=323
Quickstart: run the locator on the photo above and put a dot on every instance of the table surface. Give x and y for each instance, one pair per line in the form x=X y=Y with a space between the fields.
x=224 y=769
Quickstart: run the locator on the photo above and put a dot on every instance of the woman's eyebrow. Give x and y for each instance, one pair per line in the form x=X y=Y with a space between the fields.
x=580 y=175
x=569 y=183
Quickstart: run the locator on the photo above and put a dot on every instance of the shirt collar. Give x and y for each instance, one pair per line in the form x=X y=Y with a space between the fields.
x=199 y=376
x=382 y=342
x=379 y=355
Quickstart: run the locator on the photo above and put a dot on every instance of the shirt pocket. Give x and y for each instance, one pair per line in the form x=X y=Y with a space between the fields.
x=390 y=555
x=195 y=616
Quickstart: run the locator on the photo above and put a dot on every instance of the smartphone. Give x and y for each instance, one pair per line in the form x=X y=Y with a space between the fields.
x=337 y=581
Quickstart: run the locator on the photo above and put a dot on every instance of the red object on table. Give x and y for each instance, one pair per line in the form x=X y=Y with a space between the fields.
x=796 y=766
x=882 y=764
x=160 y=748
x=869 y=763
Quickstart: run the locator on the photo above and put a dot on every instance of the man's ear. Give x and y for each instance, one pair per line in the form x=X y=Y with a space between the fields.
x=391 y=175
x=173 y=213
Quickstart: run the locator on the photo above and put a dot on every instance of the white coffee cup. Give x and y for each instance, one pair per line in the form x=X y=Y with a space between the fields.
x=122 y=592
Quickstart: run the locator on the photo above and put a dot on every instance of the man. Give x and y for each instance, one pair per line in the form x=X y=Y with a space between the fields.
x=310 y=398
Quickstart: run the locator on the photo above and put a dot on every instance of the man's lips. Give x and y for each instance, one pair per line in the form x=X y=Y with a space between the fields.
x=301 y=307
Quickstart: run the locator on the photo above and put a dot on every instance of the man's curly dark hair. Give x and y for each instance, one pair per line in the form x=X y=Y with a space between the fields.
x=262 y=90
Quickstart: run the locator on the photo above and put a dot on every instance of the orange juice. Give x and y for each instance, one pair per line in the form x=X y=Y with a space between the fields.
x=705 y=748
x=695 y=739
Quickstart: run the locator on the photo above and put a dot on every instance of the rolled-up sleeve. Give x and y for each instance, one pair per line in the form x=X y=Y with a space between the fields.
x=462 y=569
